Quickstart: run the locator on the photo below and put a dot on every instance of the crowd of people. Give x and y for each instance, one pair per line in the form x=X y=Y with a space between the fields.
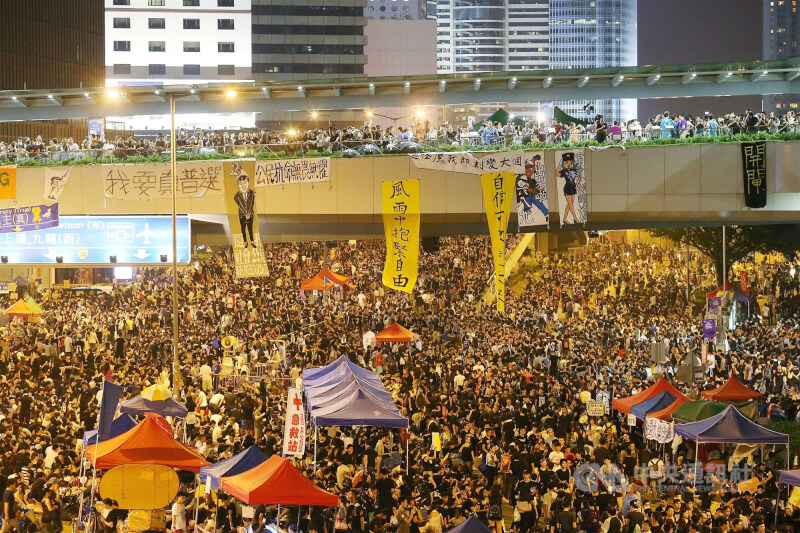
x=503 y=393
x=334 y=138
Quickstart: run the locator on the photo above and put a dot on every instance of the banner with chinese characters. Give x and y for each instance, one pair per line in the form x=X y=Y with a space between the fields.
x=709 y=328
x=401 y=226
x=33 y=218
x=658 y=430
x=8 y=183
x=531 y=190
x=288 y=171
x=240 y=202
x=294 y=429
x=572 y=200
x=498 y=191
x=468 y=163
x=604 y=397
x=154 y=181
x=55 y=181
x=754 y=167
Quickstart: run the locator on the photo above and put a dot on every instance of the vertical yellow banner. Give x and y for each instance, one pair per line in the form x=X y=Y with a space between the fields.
x=8 y=183
x=498 y=196
x=400 y=200
x=248 y=251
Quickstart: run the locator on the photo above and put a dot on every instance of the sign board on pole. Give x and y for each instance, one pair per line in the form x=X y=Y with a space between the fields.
x=595 y=408
x=631 y=419
x=714 y=303
x=294 y=429
x=709 y=328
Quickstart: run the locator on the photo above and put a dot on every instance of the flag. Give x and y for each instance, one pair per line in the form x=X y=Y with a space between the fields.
x=108 y=407
x=401 y=207
x=498 y=191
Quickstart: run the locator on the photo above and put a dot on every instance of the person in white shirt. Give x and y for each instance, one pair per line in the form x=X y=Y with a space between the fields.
x=179 y=513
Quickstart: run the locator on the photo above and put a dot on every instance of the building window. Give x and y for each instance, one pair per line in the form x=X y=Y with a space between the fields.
x=226 y=70
x=191 y=46
x=122 y=2
x=155 y=3
x=225 y=47
x=122 y=69
x=157 y=46
x=191 y=24
x=224 y=3
x=157 y=70
x=122 y=46
x=156 y=24
x=122 y=22
x=191 y=3
x=224 y=24
x=191 y=70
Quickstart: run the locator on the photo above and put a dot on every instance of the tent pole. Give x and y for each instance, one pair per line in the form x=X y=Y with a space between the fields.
x=315 y=448
x=696 y=454
x=80 y=475
x=777 y=506
x=408 y=438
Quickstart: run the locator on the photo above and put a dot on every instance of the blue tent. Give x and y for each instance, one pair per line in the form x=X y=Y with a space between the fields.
x=730 y=426
x=120 y=425
x=241 y=462
x=656 y=403
x=470 y=525
x=790 y=477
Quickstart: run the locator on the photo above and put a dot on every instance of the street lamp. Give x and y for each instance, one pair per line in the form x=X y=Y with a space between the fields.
x=315 y=115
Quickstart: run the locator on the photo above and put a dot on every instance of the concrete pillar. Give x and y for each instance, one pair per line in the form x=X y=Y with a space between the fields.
x=543 y=243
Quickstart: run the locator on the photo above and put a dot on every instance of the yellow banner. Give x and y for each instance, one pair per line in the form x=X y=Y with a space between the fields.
x=498 y=196
x=248 y=251
x=8 y=183
x=401 y=226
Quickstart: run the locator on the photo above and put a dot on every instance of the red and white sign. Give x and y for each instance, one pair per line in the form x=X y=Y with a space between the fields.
x=294 y=430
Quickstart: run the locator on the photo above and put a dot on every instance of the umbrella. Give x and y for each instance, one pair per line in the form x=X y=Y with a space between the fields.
x=156 y=393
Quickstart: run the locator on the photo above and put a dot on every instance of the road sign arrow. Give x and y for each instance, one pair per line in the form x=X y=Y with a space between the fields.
x=142 y=254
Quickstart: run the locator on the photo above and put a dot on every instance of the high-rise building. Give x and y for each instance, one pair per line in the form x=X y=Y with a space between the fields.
x=164 y=42
x=397 y=9
x=307 y=39
x=780 y=36
x=46 y=45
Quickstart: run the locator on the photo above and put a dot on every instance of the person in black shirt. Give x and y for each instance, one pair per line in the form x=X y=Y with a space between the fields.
x=10 y=511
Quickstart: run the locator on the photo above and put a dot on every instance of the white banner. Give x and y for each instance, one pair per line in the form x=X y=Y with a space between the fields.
x=199 y=178
x=595 y=408
x=154 y=181
x=659 y=430
x=55 y=181
x=605 y=398
x=294 y=430
x=286 y=171
x=632 y=419
x=467 y=163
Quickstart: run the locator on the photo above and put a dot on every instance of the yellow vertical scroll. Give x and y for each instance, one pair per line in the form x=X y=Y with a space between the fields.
x=400 y=200
x=498 y=196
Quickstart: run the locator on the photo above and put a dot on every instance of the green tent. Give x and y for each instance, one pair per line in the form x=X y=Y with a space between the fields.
x=33 y=305
x=501 y=116
x=561 y=117
x=702 y=409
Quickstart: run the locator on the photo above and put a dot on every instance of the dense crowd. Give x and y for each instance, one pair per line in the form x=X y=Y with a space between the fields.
x=333 y=138
x=504 y=393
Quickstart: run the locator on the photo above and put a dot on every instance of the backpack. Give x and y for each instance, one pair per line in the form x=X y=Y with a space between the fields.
x=592 y=521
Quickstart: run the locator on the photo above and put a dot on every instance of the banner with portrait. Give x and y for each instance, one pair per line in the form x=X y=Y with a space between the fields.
x=531 y=193
x=55 y=181
x=572 y=199
x=287 y=171
x=240 y=202
x=498 y=194
x=754 y=167
x=401 y=207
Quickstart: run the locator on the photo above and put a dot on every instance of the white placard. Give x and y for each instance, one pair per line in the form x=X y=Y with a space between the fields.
x=287 y=171
x=294 y=430
x=659 y=430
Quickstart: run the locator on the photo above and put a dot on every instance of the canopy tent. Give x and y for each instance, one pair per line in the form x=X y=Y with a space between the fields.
x=730 y=426
x=149 y=442
x=341 y=367
x=321 y=396
x=662 y=385
x=698 y=410
x=34 y=306
x=501 y=116
x=666 y=413
x=470 y=525
x=654 y=404
x=276 y=482
x=22 y=309
x=325 y=280
x=560 y=116
x=21 y=282
x=139 y=405
x=120 y=425
x=395 y=333
x=338 y=279
x=241 y=462
x=790 y=477
x=738 y=296
x=730 y=391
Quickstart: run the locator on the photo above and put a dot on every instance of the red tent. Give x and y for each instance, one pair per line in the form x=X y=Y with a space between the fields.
x=666 y=413
x=149 y=442
x=276 y=482
x=395 y=333
x=662 y=385
x=718 y=292
x=325 y=280
x=730 y=391
x=334 y=277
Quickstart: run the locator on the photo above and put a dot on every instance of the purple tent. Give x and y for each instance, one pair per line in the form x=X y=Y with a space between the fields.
x=470 y=525
x=656 y=403
x=241 y=462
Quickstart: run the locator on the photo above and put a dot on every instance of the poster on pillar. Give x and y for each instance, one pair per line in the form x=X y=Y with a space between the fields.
x=572 y=198
x=240 y=202
x=498 y=194
x=400 y=206
x=531 y=187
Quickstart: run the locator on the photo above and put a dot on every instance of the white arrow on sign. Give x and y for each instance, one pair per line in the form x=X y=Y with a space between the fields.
x=142 y=254
x=52 y=254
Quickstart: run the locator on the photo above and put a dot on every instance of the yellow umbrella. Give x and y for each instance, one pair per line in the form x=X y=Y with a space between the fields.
x=156 y=393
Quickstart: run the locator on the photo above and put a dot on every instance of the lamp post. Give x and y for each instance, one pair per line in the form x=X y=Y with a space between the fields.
x=174 y=180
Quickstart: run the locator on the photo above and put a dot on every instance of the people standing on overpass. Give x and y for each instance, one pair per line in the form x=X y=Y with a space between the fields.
x=490 y=133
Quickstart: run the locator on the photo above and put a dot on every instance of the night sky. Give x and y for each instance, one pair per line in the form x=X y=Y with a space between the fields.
x=698 y=31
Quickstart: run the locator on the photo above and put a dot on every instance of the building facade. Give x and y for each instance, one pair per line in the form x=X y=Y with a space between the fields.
x=304 y=39
x=45 y=46
x=780 y=36
x=163 y=42
x=397 y=9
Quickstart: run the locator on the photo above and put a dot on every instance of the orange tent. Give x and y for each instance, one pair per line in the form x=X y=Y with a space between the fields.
x=325 y=280
x=730 y=391
x=334 y=277
x=20 y=308
x=662 y=385
x=395 y=333
x=276 y=482
x=149 y=442
x=666 y=413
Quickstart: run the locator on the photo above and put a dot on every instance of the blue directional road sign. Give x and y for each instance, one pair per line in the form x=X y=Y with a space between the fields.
x=93 y=239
